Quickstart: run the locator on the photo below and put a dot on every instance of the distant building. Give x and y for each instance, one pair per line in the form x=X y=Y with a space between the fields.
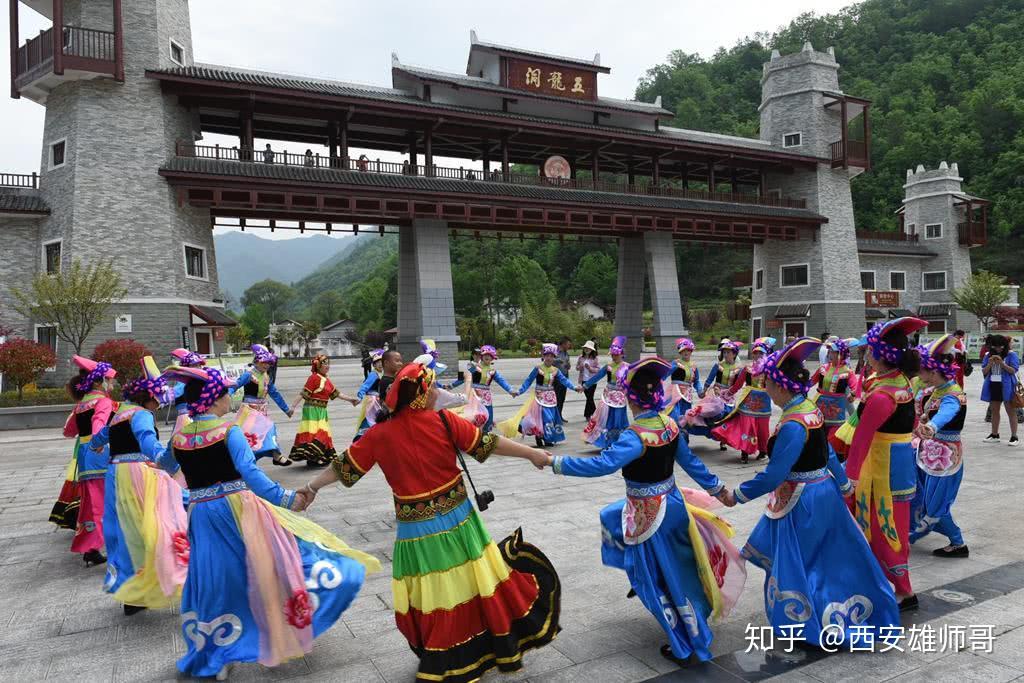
x=592 y=310
x=334 y=339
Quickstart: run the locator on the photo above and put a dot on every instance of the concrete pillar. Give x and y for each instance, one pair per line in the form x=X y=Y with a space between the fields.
x=629 y=295
x=426 y=305
x=664 y=282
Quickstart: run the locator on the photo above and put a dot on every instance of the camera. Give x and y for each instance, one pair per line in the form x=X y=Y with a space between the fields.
x=484 y=499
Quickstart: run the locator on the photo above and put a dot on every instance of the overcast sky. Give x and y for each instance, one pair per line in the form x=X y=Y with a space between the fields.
x=353 y=41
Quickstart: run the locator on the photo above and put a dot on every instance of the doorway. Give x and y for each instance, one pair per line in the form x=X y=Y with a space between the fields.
x=795 y=328
x=203 y=344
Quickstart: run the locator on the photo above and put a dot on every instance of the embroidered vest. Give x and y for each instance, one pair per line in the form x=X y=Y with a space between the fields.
x=683 y=373
x=814 y=454
x=84 y=410
x=122 y=436
x=201 y=448
x=897 y=386
x=834 y=380
x=256 y=387
x=658 y=436
x=933 y=403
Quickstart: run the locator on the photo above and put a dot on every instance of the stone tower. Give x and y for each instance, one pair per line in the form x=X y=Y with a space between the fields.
x=802 y=110
x=105 y=197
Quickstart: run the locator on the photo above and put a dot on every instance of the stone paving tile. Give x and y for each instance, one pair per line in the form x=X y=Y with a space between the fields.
x=614 y=668
x=961 y=667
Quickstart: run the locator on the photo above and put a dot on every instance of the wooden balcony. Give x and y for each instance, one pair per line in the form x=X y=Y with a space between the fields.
x=40 y=65
x=972 y=234
x=855 y=154
x=364 y=165
x=889 y=235
x=20 y=180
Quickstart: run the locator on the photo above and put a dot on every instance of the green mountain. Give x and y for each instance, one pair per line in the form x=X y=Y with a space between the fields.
x=346 y=268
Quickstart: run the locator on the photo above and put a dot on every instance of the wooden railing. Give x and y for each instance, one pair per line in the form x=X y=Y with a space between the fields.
x=972 y=234
x=856 y=153
x=890 y=235
x=365 y=165
x=35 y=52
x=19 y=180
x=88 y=44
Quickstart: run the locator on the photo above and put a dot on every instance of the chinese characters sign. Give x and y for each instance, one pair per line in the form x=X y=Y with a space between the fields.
x=882 y=299
x=551 y=79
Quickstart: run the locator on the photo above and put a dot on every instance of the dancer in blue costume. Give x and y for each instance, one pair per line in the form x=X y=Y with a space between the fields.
x=539 y=416
x=483 y=375
x=819 y=570
x=681 y=573
x=718 y=383
x=940 y=451
x=611 y=417
x=257 y=386
x=185 y=359
x=369 y=394
x=685 y=379
x=262 y=581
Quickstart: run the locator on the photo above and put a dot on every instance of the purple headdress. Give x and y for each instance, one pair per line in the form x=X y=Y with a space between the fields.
x=763 y=344
x=932 y=355
x=215 y=385
x=799 y=349
x=96 y=372
x=488 y=350
x=261 y=354
x=840 y=346
x=429 y=346
x=618 y=346
x=376 y=355
x=891 y=353
x=151 y=383
x=685 y=344
x=186 y=358
x=646 y=390
x=546 y=349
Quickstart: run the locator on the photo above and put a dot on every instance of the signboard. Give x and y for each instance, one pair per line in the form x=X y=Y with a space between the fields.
x=774 y=324
x=557 y=167
x=218 y=334
x=185 y=338
x=123 y=323
x=882 y=299
x=550 y=79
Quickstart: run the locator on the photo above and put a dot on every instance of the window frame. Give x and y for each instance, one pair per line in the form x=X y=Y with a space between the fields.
x=45 y=261
x=185 y=246
x=911 y=229
x=805 y=265
x=924 y=276
x=56 y=340
x=874 y=281
x=932 y=225
x=786 y=323
x=758 y=286
x=945 y=326
x=171 y=44
x=775 y=192
x=904 y=274
x=756 y=322
x=800 y=138
x=52 y=166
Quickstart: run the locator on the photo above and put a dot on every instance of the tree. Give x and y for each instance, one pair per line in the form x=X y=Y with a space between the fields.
x=283 y=338
x=22 y=361
x=982 y=294
x=272 y=294
x=256 y=319
x=327 y=307
x=595 y=277
x=238 y=336
x=306 y=333
x=124 y=356
x=75 y=300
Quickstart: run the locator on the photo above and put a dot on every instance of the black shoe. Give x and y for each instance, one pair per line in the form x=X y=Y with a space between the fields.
x=744 y=458
x=631 y=593
x=317 y=463
x=958 y=551
x=539 y=441
x=908 y=603
x=282 y=463
x=721 y=446
x=94 y=557
x=762 y=456
x=132 y=609
x=666 y=652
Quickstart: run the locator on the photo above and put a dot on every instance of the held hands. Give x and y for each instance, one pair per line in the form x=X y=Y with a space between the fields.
x=539 y=458
x=926 y=430
x=579 y=390
x=727 y=498
x=304 y=498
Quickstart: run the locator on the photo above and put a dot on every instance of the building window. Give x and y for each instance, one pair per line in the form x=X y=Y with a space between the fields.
x=912 y=229
x=936 y=327
x=177 y=53
x=759 y=279
x=796 y=275
x=756 y=331
x=47 y=335
x=195 y=262
x=51 y=257
x=775 y=193
x=897 y=281
x=58 y=152
x=792 y=139
x=933 y=282
x=867 y=279
x=933 y=231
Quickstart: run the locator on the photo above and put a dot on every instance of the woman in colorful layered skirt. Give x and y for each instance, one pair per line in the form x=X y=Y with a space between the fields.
x=841 y=437
x=539 y=416
x=93 y=409
x=465 y=604
x=819 y=571
x=314 y=442
x=678 y=558
x=262 y=582
x=835 y=381
x=144 y=522
x=746 y=426
x=369 y=394
x=253 y=417
x=712 y=407
x=185 y=359
x=940 y=451
x=611 y=417
x=881 y=462
x=483 y=375
x=685 y=379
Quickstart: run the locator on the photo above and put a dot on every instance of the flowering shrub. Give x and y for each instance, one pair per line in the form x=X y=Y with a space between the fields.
x=22 y=361
x=124 y=356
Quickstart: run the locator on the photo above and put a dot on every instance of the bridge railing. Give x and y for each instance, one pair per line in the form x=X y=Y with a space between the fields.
x=365 y=165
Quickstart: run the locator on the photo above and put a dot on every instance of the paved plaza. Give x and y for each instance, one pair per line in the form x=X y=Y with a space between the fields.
x=57 y=622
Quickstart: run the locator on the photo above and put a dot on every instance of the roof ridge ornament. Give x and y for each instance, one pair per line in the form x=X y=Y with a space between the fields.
x=473 y=40
x=597 y=59
x=394 y=60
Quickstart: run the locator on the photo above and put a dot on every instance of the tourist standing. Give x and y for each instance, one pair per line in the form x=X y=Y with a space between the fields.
x=369 y=394
x=262 y=582
x=390 y=363
x=539 y=416
x=144 y=523
x=677 y=557
x=685 y=379
x=564 y=366
x=881 y=462
x=940 y=451
x=465 y=604
x=587 y=365
x=1000 y=370
x=482 y=375
x=834 y=380
x=818 y=568
x=314 y=441
x=257 y=387
x=746 y=426
x=611 y=417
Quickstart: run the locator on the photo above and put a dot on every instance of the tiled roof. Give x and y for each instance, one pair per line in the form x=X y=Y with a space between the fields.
x=934 y=310
x=892 y=247
x=793 y=311
x=214 y=316
x=476 y=187
x=21 y=201
x=533 y=53
x=873 y=314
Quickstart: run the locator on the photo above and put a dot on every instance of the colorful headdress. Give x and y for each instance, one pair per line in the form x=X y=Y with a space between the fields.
x=684 y=344
x=840 y=346
x=261 y=354
x=890 y=353
x=320 y=361
x=376 y=355
x=416 y=373
x=730 y=345
x=488 y=350
x=932 y=356
x=644 y=385
x=215 y=385
x=187 y=358
x=152 y=382
x=800 y=349
x=429 y=346
x=618 y=346
x=551 y=349
x=763 y=344
x=96 y=370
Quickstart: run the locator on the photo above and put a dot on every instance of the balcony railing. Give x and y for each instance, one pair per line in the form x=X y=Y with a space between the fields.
x=856 y=153
x=87 y=49
x=364 y=165
x=972 y=234
x=890 y=235
x=19 y=180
